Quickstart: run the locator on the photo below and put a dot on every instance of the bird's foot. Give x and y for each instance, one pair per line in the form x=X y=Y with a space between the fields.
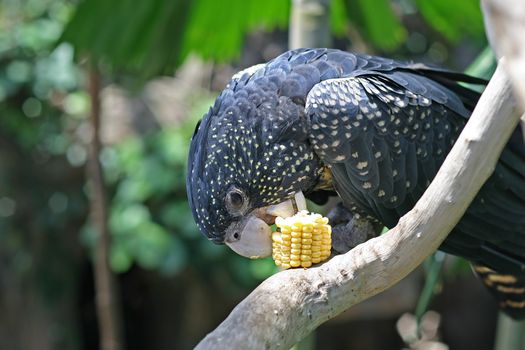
x=349 y=230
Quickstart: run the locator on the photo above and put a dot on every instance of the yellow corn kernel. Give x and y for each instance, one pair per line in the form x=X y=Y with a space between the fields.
x=296 y=234
x=295 y=263
x=308 y=228
x=301 y=240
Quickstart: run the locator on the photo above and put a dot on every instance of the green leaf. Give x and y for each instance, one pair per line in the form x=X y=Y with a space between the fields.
x=338 y=20
x=155 y=36
x=151 y=244
x=119 y=258
x=173 y=146
x=453 y=18
x=133 y=190
x=125 y=220
x=378 y=22
x=177 y=216
x=130 y=154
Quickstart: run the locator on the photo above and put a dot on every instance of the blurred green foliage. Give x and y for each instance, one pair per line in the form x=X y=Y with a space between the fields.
x=377 y=21
x=39 y=80
x=150 y=219
x=149 y=216
x=154 y=37
x=453 y=19
x=44 y=104
x=44 y=133
x=42 y=203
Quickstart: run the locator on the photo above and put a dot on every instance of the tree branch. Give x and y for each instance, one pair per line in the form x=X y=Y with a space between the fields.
x=309 y=24
x=505 y=27
x=289 y=305
x=108 y=310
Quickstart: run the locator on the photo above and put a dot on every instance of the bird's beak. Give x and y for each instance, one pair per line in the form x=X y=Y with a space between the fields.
x=289 y=207
x=251 y=236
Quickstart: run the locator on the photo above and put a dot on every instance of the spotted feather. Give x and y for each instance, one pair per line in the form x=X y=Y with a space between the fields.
x=390 y=138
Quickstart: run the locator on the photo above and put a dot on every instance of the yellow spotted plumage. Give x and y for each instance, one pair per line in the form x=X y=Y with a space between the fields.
x=301 y=240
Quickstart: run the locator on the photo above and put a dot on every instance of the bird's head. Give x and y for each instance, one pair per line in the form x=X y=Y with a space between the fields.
x=250 y=160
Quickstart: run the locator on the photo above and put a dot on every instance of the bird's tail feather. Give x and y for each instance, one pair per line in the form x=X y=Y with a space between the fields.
x=509 y=290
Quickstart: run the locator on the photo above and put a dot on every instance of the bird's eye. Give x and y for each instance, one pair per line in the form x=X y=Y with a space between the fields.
x=236 y=201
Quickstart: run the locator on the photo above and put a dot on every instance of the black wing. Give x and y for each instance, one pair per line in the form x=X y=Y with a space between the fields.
x=386 y=133
x=492 y=231
x=384 y=136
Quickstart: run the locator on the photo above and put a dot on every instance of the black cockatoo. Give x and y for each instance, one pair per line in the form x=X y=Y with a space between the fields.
x=371 y=130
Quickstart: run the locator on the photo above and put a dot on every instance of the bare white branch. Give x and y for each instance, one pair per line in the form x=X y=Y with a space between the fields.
x=505 y=27
x=289 y=305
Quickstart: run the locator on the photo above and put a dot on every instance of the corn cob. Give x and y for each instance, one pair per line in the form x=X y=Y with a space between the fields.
x=301 y=240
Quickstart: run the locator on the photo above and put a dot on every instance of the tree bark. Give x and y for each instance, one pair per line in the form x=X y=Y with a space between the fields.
x=108 y=310
x=310 y=24
x=289 y=305
x=505 y=27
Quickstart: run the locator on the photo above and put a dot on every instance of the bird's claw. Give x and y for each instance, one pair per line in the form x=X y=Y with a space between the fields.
x=349 y=230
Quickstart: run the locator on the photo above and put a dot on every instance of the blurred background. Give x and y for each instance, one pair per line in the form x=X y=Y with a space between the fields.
x=98 y=102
